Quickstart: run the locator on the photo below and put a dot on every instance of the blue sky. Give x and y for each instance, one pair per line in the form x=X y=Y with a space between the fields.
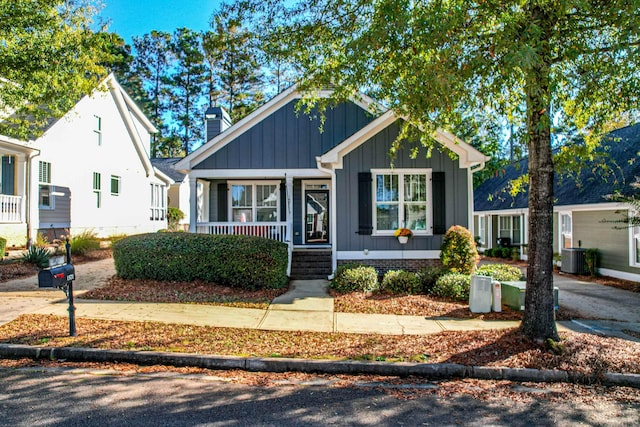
x=137 y=17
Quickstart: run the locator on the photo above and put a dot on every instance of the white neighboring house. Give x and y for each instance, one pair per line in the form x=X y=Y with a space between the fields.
x=90 y=171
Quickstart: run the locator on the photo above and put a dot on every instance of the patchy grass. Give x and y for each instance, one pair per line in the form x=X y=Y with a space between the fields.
x=583 y=353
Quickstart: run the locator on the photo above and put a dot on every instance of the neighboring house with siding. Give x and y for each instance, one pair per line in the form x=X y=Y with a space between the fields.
x=90 y=171
x=178 y=191
x=330 y=195
x=583 y=212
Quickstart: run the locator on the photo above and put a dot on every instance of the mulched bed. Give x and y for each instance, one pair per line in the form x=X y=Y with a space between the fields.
x=198 y=292
x=583 y=353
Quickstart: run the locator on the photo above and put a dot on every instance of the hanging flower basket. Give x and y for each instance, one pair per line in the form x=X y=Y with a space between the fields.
x=403 y=235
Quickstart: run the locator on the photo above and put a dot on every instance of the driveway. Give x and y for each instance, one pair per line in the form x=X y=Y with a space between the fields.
x=597 y=301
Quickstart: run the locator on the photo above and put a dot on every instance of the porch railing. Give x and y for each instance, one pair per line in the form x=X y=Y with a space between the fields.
x=10 y=208
x=271 y=230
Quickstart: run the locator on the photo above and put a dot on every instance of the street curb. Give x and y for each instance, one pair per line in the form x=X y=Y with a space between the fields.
x=259 y=364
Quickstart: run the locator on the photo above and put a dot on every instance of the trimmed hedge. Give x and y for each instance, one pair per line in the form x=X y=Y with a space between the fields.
x=246 y=262
x=458 y=251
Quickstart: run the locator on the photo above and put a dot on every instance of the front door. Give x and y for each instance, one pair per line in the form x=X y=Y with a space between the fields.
x=316 y=216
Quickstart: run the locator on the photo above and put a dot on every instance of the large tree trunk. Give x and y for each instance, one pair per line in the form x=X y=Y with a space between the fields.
x=539 y=319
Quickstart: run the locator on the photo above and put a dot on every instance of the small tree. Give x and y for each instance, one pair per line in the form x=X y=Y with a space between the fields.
x=174 y=215
x=458 y=251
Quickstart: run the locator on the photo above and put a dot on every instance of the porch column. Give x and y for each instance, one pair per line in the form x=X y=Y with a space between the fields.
x=289 y=205
x=32 y=193
x=193 y=204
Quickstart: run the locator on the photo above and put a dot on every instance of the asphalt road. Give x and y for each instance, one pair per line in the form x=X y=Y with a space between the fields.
x=54 y=397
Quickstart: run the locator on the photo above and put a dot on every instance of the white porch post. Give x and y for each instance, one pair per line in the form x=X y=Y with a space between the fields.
x=193 y=204
x=32 y=192
x=289 y=207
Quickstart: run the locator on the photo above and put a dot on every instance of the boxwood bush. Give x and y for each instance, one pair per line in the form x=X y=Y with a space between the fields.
x=428 y=277
x=355 y=278
x=246 y=262
x=453 y=285
x=500 y=272
x=401 y=282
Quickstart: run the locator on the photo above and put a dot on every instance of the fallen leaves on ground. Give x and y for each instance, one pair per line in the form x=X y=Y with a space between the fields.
x=117 y=289
x=583 y=353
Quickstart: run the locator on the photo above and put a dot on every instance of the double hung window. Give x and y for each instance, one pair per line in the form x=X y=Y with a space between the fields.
x=255 y=201
x=401 y=199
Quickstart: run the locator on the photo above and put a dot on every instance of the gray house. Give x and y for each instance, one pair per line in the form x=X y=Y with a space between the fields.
x=331 y=195
x=584 y=215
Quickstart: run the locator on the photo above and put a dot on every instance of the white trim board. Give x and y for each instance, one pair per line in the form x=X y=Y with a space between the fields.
x=366 y=254
x=257 y=173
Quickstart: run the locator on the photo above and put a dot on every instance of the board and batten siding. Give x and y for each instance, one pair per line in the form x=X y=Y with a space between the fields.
x=289 y=140
x=374 y=154
x=590 y=228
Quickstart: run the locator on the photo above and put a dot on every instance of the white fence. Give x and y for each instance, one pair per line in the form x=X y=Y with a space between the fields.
x=10 y=208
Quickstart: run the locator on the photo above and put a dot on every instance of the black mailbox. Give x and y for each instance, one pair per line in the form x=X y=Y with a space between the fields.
x=56 y=277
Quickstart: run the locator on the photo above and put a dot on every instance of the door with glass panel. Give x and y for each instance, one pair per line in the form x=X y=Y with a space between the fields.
x=316 y=214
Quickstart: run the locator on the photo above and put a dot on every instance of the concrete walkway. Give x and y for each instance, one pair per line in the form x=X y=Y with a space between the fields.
x=305 y=307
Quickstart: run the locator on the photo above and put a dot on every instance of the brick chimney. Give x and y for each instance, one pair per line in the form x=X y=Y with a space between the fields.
x=216 y=121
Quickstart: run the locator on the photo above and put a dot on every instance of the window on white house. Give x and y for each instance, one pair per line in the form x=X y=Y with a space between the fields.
x=97 y=188
x=255 y=201
x=97 y=129
x=566 y=227
x=482 y=220
x=46 y=199
x=402 y=200
x=115 y=185
x=511 y=227
x=158 y=202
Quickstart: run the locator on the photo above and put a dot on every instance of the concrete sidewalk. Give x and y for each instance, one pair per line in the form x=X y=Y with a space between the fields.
x=305 y=307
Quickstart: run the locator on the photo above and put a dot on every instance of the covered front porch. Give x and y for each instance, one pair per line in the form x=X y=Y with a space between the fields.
x=295 y=208
x=16 y=176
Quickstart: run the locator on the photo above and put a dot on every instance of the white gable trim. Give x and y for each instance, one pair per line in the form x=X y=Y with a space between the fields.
x=277 y=102
x=17 y=145
x=117 y=93
x=468 y=155
x=163 y=177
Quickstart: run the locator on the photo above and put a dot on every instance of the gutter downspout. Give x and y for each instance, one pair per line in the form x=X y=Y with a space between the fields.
x=334 y=245
x=470 y=171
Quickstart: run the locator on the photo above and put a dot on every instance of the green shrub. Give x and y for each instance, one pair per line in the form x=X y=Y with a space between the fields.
x=3 y=246
x=247 y=262
x=591 y=258
x=500 y=272
x=453 y=285
x=401 y=282
x=37 y=256
x=458 y=251
x=355 y=278
x=174 y=215
x=84 y=242
x=488 y=252
x=505 y=253
x=428 y=277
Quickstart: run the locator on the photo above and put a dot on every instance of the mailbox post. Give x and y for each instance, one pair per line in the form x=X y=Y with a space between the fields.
x=62 y=277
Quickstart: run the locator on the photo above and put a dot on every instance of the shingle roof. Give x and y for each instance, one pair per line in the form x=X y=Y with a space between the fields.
x=614 y=169
x=166 y=166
